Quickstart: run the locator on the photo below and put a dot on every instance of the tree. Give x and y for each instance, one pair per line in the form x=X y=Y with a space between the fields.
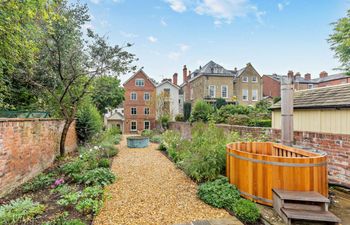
x=187 y=110
x=201 y=111
x=107 y=93
x=69 y=64
x=340 y=41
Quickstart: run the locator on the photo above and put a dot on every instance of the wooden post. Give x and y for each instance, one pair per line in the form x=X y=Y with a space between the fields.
x=287 y=90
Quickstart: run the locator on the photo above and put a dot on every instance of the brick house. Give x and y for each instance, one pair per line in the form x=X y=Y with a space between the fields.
x=213 y=81
x=272 y=83
x=139 y=107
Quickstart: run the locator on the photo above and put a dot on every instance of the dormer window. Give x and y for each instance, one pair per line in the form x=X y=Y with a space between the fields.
x=140 y=82
x=254 y=79
x=245 y=79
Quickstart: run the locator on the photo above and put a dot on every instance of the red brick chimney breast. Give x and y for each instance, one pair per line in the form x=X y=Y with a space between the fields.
x=307 y=76
x=184 y=72
x=175 y=78
x=323 y=74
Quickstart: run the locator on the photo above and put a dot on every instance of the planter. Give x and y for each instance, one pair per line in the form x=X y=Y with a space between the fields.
x=137 y=142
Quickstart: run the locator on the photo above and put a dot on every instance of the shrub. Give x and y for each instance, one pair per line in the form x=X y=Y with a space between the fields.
x=170 y=141
x=89 y=205
x=88 y=122
x=219 y=193
x=161 y=147
x=164 y=121
x=246 y=211
x=104 y=163
x=201 y=111
x=242 y=120
x=108 y=150
x=220 y=102
x=260 y=122
x=179 y=117
x=147 y=133
x=20 y=211
x=69 y=199
x=187 y=110
x=98 y=176
x=39 y=182
x=156 y=139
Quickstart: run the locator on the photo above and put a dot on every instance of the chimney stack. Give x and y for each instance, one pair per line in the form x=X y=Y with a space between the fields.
x=323 y=74
x=287 y=91
x=184 y=71
x=175 y=78
x=307 y=76
x=297 y=74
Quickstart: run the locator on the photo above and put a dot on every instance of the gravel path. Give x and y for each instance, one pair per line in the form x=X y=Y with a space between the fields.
x=151 y=190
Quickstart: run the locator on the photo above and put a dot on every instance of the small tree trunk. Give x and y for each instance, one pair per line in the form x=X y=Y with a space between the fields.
x=64 y=136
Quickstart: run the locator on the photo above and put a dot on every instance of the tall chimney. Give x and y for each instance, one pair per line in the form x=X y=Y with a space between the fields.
x=184 y=71
x=307 y=76
x=323 y=74
x=175 y=78
x=287 y=90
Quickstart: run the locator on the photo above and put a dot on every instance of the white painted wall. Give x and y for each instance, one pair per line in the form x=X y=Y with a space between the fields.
x=174 y=97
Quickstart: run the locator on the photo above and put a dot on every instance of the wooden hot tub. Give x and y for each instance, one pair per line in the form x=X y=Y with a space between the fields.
x=258 y=167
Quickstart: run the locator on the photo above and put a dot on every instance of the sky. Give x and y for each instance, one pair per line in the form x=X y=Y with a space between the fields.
x=273 y=35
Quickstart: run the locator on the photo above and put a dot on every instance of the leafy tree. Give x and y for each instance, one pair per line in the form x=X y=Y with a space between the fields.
x=263 y=106
x=107 y=93
x=340 y=41
x=187 y=110
x=201 y=111
x=68 y=64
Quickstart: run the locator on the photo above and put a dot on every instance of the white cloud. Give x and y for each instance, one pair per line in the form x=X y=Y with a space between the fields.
x=177 y=5
x=128 y=35
x=175 y=55
x=95 y=1
x=163 y=22
x=183 y=47
x=152 y=39
x=282 y=5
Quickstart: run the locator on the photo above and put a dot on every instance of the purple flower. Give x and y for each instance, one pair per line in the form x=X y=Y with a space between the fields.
x=57 y=182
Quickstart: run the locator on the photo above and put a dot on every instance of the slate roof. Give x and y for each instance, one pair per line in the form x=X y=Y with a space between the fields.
x=169 y=82
x=337 y=96
x=312 y=81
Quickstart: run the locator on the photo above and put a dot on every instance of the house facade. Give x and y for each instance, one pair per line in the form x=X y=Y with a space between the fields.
x=139 y=103
x=213 y=81
x=168 y=101
x=272 y=83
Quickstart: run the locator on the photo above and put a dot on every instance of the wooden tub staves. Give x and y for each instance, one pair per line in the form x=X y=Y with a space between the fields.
x=258 y=167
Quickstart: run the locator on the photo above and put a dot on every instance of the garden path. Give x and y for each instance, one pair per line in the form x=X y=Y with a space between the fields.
x=151 y=190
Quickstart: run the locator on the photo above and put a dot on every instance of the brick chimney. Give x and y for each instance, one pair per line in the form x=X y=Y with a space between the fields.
x=175 y=78
x=184 y=71
x=307 y=76
x=323 y=74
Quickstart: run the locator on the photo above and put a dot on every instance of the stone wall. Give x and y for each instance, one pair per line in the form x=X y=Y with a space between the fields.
x=29 y=146
x=337 y=146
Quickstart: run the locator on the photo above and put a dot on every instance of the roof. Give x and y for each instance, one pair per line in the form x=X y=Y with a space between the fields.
x=116 y=116
x=332 y=77
x=167 y=81
x=299 y=79
x=337 y=96
x=141 y=70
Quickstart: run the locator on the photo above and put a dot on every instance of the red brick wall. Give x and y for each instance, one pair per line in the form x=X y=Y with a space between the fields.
x=334 y=82
x=337 y=146
x=140 y=103
x=271 y=87
x=29 y=146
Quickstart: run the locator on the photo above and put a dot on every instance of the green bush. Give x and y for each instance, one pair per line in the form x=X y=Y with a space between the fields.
x=260 y=122
x=170 y=141
x=39 y=182
x=246 y=211
x=201 y=111
x=164 y=121
x=104 y=163
x=147 y=133
x=219 y=193
x=156 y=139
x=108 y=150
x=222 y=115
x=87 y=206
x=187 y=110
x=20 y=211
x=242 y=120
x=88 y=122
x=220 y=102
x=179 y=117
x=69 y=199
x=98 y=176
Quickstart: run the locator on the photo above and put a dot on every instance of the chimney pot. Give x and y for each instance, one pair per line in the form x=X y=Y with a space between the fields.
x=175 y=78
x=323 y=74
x=184 y=72
x=307 y=76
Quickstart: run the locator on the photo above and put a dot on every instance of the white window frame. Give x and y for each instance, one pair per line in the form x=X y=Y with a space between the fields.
x=144 y=110
x=214 y=91
x=144 y=96
x=256 y=79
x=257 y=95
x=144 y=125
x=245 y=79
x=135 y=111
x=133 y=121
x=131 y=94
x=138 y=84
x=224 y=86
x=247 y=99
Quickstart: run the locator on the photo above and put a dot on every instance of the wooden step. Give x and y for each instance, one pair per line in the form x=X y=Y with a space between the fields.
x=309 y=215
x=306 y=196
x=313 y=207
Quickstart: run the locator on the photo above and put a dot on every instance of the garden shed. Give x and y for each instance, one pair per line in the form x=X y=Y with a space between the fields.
x=325 y=110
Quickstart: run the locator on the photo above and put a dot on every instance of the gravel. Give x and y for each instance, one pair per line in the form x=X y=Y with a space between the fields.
x=151 y=190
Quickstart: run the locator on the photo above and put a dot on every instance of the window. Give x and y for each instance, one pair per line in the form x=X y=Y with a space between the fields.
x=133 y=96
x=146 y=110
x=191 y=94
x=211 y=91
x=224 y=90
x=245 y=79
x=139 y=82
x=166 y=92
x=255 y=95
x=146 y=96
x=254 y=79
x=133 y=126
x=133 y=111
x=147 y=125
x=245 y=94
x=310 y=86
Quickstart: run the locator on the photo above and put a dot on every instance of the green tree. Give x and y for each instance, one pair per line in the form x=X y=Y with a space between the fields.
x=201 y=111
x=187 y=110
x=107 y=93
x=340 y=41
x=68 y=63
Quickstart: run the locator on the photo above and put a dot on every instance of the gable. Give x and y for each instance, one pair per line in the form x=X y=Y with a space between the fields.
x=139 y=75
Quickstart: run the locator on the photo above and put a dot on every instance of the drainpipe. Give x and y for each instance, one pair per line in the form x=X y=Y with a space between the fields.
x=287 y=90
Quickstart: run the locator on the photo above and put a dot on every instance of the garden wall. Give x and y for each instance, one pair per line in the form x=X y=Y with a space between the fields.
x=29 y=146
x=337 y=146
